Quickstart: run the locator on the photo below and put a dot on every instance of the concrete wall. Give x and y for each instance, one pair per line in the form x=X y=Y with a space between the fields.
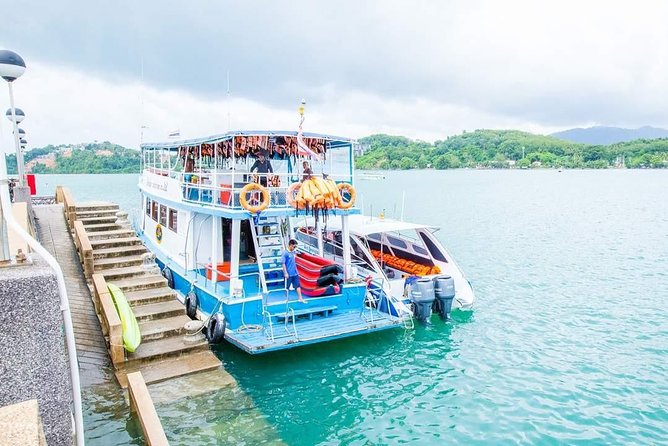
x=33 y=361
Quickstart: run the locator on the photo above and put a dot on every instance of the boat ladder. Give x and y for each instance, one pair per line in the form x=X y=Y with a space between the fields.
x=290 y=329
x=269 y=245
x=376 y=295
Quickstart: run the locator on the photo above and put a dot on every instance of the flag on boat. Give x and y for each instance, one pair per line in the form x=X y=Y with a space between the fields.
x=302 y=148
x=174 y=134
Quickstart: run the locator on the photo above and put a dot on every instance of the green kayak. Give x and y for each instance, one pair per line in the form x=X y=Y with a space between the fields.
x=131 y=334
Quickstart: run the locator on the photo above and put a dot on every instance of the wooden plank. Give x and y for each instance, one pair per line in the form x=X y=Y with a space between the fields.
x=111 y=321
x=142 y=404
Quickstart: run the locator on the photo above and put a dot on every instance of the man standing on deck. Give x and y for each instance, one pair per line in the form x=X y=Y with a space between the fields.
x=263 y=167
x=290 y=269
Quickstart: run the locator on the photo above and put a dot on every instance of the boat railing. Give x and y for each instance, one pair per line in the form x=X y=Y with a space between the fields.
x=403 y=311
x=224 y=188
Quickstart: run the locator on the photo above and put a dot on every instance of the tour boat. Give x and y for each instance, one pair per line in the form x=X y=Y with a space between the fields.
x=399 y=259
x=218 y=231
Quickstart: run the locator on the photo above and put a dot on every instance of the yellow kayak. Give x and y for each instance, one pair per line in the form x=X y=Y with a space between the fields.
x=129 y=325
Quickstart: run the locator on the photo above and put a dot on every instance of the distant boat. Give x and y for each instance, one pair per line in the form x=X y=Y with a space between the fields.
x=371 y=176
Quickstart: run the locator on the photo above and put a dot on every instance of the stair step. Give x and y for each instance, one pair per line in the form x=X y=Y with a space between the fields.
x=276 y=280
x=123 y=272
x=149 y=296
x=159 y=310
x=161 y=328
x=101 y=227
x=97 y=220
x=97 y=213
x=272 y=269
x=166 y=347
x=140 y=283
x=172 y=367
x=119 y=251
x=117 y=262
x=114 y=233
x=95 y=206
x=115 y=242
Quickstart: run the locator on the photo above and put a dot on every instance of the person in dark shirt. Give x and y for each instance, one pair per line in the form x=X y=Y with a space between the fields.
x=263 y=167
x=290 y=269
x=307 y=171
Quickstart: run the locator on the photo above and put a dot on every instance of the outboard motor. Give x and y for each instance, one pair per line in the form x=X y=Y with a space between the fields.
x=444 y=289
x=422 y=295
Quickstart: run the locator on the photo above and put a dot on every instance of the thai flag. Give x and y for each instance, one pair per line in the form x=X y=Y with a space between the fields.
x=174 y=134
x=302 y=148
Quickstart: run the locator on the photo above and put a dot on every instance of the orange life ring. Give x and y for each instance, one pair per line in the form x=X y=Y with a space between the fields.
x=346 y=187
x=291 y=194
x=254 y=187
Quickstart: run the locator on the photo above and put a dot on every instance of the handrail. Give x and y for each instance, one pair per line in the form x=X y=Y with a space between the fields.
x=64 y=301
x=111 y=323
x=221 y=188
x=142 y=404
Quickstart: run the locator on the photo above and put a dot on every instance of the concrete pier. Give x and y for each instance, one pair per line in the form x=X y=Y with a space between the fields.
x=33 y=361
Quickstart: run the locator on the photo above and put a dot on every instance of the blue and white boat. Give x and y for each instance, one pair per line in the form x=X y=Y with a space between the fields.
x=218 y=230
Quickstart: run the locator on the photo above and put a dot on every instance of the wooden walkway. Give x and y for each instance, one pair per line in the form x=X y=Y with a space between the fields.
x=55 y=236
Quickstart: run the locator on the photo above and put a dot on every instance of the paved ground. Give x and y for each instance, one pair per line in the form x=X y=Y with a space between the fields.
x=94 y=364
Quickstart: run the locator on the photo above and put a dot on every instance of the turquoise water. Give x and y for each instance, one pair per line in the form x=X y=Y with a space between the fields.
x=567 y=343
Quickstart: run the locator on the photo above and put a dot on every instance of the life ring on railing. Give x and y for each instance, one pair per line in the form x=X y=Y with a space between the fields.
x=191 y=303
x=347 y=187
x=215 y=329
x=254 y=187
x=291 y=194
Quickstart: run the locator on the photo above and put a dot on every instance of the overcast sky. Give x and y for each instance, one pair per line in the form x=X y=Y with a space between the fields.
x=423 y=69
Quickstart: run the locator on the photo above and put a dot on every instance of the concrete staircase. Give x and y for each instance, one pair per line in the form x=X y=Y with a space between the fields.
x=167 y=350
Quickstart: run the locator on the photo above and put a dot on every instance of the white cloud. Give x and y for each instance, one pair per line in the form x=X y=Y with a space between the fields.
x=66 y=106
x=422 y=69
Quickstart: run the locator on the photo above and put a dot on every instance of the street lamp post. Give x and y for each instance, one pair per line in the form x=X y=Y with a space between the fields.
x=12 y=67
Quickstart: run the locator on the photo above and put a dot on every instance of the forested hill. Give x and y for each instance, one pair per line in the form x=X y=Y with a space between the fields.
x=610 y=135
x=507 y=148
x=104 y=157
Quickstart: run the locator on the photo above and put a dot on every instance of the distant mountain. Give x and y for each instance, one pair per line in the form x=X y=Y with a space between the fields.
x=610 y=135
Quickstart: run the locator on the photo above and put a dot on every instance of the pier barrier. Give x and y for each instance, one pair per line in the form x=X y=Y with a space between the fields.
x=109 y=320
x=84 y=247
x=142 y=404
x=64 y=196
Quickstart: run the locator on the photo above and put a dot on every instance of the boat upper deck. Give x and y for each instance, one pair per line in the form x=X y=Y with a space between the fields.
x=220 y=174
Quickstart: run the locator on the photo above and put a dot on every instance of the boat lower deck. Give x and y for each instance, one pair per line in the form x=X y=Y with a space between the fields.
x=327 y=325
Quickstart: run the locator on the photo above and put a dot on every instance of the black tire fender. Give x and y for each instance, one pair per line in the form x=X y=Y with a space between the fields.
x=167 y=274
x=215 y=330
x=192 y=303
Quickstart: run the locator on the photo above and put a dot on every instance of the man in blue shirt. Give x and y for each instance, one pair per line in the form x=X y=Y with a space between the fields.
x=290 y=269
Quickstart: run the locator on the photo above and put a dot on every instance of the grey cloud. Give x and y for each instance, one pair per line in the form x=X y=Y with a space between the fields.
x=277 y=52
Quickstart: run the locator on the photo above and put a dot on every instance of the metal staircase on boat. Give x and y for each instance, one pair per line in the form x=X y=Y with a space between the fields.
x=269 y=244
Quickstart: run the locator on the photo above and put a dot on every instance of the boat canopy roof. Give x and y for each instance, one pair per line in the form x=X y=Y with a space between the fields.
x=364 y=225
x=330 y=140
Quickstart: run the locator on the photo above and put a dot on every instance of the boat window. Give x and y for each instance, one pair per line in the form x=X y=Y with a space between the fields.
x=374 y=237
x=163 y=215
x=433 y=249
x=420 y=250
x=173 y=216
x=397 y=242
x=154 y=210
x=148 y=206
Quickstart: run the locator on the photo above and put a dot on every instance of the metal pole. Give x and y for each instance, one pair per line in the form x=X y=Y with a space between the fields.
x=5 y=255
x=19 y=153
x=345 y=238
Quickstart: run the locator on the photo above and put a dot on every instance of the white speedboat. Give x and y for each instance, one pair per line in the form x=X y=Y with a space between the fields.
x=401 y=260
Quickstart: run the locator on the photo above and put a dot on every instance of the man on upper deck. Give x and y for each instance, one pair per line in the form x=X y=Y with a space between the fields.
x=263 y=167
